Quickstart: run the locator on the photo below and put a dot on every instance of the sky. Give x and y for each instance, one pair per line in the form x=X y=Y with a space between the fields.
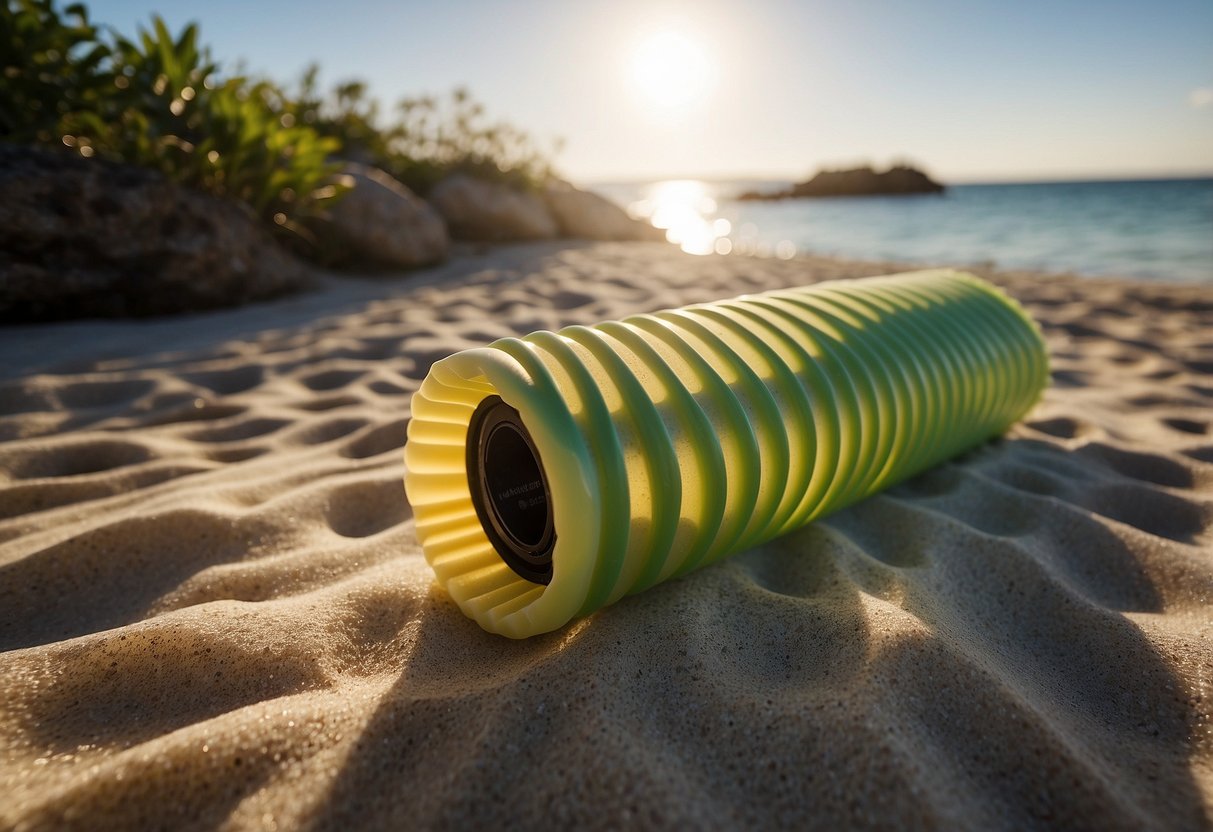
x=1012 y=90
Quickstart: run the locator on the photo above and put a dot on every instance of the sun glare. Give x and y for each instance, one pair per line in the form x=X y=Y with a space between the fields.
x=672 y=70
x=684 y=209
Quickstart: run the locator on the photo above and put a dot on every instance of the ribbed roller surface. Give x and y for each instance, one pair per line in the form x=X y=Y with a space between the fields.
x=674 y=439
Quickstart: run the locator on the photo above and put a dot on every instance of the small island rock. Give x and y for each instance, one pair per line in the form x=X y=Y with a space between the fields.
x=897 y=180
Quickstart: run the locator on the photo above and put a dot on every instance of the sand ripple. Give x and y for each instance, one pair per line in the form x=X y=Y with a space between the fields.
x=215 y=611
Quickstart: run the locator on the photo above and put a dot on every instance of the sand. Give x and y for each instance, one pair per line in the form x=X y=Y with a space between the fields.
x=214 y=612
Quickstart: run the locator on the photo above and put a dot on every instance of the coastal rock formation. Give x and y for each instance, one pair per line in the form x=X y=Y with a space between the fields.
x=87 y=238
x=380 y=223
x=897 y=180
x=588 y=216
x=475 y=209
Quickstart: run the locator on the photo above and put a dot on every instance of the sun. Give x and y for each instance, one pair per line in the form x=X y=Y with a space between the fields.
x=672 y=70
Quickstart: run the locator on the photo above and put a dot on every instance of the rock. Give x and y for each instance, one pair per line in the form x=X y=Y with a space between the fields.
x=88 y=238
x=475 y=209
x=897 y=180
x=379 y=223
x=588 y=216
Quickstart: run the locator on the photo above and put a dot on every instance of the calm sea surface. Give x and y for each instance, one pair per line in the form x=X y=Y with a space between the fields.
x=1160 y=229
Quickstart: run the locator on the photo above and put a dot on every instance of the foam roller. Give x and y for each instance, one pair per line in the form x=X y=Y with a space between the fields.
x=551 y=475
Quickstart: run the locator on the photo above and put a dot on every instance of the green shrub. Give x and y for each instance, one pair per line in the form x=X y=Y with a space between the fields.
x=346 y=114
x=428 y=138
x=161 y=102
x=172 y=112
x=432 y=137
x=50 y=67
x=158 y=102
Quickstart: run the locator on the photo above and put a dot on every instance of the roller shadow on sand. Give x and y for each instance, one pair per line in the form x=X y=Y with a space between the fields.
x=915 y=656
x=620 y=713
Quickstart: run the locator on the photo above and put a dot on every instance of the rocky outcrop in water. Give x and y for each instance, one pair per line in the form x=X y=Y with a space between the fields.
x=86 y=238
x=897 y=180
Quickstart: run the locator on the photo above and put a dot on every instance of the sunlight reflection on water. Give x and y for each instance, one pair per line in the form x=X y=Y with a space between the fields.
x=1152 y=229
x=688 y=211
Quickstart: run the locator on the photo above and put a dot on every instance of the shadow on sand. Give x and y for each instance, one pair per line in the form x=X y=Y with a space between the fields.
x=917 y=658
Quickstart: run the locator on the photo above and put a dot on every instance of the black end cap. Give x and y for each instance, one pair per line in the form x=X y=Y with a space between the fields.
x=510 y=490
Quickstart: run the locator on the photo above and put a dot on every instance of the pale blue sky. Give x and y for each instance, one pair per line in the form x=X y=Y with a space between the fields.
x=994 y=91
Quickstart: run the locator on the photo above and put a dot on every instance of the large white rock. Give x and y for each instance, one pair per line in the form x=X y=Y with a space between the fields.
x=589 y=216
x=380 y=222
x=475 y=209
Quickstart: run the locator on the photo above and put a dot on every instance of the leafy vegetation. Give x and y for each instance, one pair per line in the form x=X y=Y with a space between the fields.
x=161 y=101
x=156 y=101
x=427 y=138
x=51 y=67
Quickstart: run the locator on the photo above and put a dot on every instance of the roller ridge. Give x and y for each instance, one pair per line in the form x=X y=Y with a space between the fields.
x=694 y=433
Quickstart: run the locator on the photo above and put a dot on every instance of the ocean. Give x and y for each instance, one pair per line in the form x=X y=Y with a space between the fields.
x=1148 y=229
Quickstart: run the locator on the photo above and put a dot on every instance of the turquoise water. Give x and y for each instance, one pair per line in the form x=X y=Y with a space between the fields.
x=1158 y=229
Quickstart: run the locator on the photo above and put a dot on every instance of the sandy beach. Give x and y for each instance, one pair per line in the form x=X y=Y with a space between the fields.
x=214 y=611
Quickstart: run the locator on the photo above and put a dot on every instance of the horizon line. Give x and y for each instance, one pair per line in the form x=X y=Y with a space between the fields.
x=1004 y=179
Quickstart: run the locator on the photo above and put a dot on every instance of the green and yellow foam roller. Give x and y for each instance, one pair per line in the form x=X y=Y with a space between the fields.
x=553 y=474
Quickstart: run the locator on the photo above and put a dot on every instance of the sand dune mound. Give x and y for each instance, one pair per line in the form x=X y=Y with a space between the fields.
x=214 y=608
